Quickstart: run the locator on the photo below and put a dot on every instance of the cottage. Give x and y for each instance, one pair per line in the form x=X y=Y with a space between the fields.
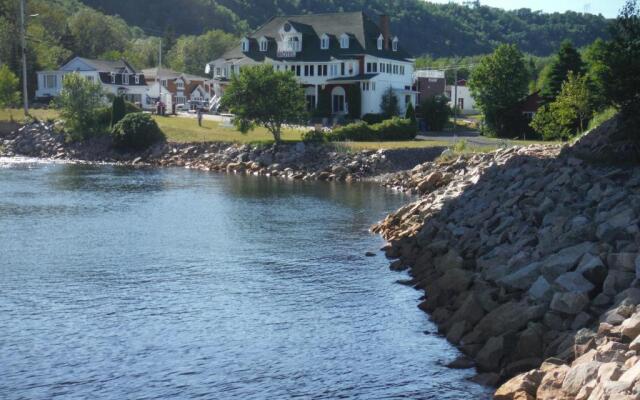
x=344 y=61
x=115 y=77
x=185 y=89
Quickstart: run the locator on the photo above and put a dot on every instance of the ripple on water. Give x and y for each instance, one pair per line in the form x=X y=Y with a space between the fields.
x=120 y=283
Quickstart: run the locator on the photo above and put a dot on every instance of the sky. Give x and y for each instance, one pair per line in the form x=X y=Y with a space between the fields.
x=608 y=8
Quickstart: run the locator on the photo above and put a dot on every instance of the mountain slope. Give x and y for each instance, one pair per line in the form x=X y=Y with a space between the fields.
x=425 y=28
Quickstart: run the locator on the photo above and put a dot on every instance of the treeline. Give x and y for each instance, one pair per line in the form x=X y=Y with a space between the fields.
x=59 y=29
x=574 y=87
x=425 y=28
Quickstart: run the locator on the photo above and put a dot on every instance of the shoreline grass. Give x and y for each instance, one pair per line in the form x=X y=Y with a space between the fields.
x=185 y=130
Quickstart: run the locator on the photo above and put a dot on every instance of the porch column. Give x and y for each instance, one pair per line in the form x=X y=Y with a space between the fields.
x=317 y=94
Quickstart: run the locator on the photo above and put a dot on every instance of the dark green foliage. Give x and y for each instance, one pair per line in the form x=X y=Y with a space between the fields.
x=118 y=110
x=136 y=131
x=498 y=84
x=389 y=104
x=622 y=73
x=567 y=60
x=314 y=136
x=245 y=98
x=324 y=104
x=388 y=130
x=435 y=111
x=373 y=118
x=410 y=114
x=423 y=27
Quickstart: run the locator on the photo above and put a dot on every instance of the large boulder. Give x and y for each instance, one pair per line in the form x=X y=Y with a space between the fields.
x=592 y=268
x=509 y=317
x=523 y=278
x=489 y=357
x=631 y=327
x=564 y=260
x=573 y=282
x=541 y=290
x=579 y=376
x=523 y=386
x=569 y=303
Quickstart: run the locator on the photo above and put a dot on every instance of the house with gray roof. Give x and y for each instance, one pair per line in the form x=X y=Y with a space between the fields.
x=344 y=61
x=115 y=77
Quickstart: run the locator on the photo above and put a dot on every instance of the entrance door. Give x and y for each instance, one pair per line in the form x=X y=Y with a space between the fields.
x=338 y=103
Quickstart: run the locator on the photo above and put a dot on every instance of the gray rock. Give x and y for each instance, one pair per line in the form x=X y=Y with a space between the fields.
x=564 y=260
x=569 y=303
x=541 y=290
x=592 y=268
x=489 y=357
x=638 y=267
x=573 y=282
x=622 y=261
x=578 y=376
x=580 y=321
x=450 y=260
x=617 y=281
x=523 y=278
x=509 y=317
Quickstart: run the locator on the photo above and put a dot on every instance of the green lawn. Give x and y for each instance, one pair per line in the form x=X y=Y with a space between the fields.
x=181 y=129
x=18 y=114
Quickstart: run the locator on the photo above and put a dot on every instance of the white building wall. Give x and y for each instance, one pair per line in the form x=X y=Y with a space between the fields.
x=464 y=94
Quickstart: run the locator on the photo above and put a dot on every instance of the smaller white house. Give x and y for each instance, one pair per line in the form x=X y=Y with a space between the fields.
x=157 y=92
x=460 y=95
x=115 y=77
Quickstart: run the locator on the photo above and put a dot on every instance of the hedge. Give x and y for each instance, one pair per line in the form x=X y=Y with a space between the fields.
x=136 y=131
x=389 y=130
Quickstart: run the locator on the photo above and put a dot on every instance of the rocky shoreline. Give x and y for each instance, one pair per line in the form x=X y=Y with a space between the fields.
x=530 y=263
x=299 y=161
x=529 y=257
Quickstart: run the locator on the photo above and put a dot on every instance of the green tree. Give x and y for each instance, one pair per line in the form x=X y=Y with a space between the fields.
x=191 y=53
x=262 y=96
x=569 y=113
x=498 y=84
x=78 y=103
x=410 y=114
x=567 y=60
x=595 y=67
x=9 y=94
x=435 y=111
x=622 y=74
x=389 y=104
x=118 y=110
x=95 y=34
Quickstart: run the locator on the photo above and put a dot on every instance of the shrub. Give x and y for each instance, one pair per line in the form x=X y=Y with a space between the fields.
x=314 y=136
x=389 y=104
x=78 y=103
x=373 y=118
x=391 y=129
x=436 y=112
x=396 y=129
x=136 y=131
x=410 y=114
x=601 y=117
x=118 y=110
x=131 y=108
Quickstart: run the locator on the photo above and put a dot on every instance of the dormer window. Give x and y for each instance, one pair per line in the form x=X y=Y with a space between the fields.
x=125 y=79
x=113 y=78
x=264 y=44
x=137 y=79
x=344 y=41
x=394 y=44
x=245 y=45
x=380 y=42
x=180 y=84
x=324 y=42
x=294 y=43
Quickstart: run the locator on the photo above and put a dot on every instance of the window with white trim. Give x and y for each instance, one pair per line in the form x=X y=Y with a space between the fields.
x=380 y=42
x=394 y=44
x=344 y=41
x=324 y=42
x=50 y=81
x=245 y=45
x=137 y=79
x=264 y=44
x=113 y=78
x=180 y=84
x=125 y=79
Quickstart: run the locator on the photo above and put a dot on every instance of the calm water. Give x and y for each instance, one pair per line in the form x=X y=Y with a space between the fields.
x=141 y=284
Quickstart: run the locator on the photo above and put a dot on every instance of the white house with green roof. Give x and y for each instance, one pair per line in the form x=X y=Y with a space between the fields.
x=345 y=61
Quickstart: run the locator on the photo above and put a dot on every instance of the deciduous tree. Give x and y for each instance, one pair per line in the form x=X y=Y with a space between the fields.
x=262 y=96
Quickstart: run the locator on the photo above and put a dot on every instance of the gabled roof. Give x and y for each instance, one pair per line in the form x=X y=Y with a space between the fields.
x=105 y=65
x=363 y=33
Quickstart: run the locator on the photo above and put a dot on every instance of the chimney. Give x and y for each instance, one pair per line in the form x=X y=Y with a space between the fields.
x=384 y=27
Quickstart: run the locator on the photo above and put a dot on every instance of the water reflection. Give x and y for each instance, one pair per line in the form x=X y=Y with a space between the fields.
x=179 y=284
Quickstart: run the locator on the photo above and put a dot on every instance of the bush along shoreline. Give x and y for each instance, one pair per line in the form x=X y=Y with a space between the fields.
x=530 y=263
x=299 y=161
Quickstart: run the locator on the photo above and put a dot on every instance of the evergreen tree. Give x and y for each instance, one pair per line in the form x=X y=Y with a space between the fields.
x=567 y=60
x=410 y=114
x=118 y=110
x=389 y=104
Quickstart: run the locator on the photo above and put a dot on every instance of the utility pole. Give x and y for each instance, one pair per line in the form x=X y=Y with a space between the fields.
x=158 y=74
x=25 y=95
x=455 y=98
